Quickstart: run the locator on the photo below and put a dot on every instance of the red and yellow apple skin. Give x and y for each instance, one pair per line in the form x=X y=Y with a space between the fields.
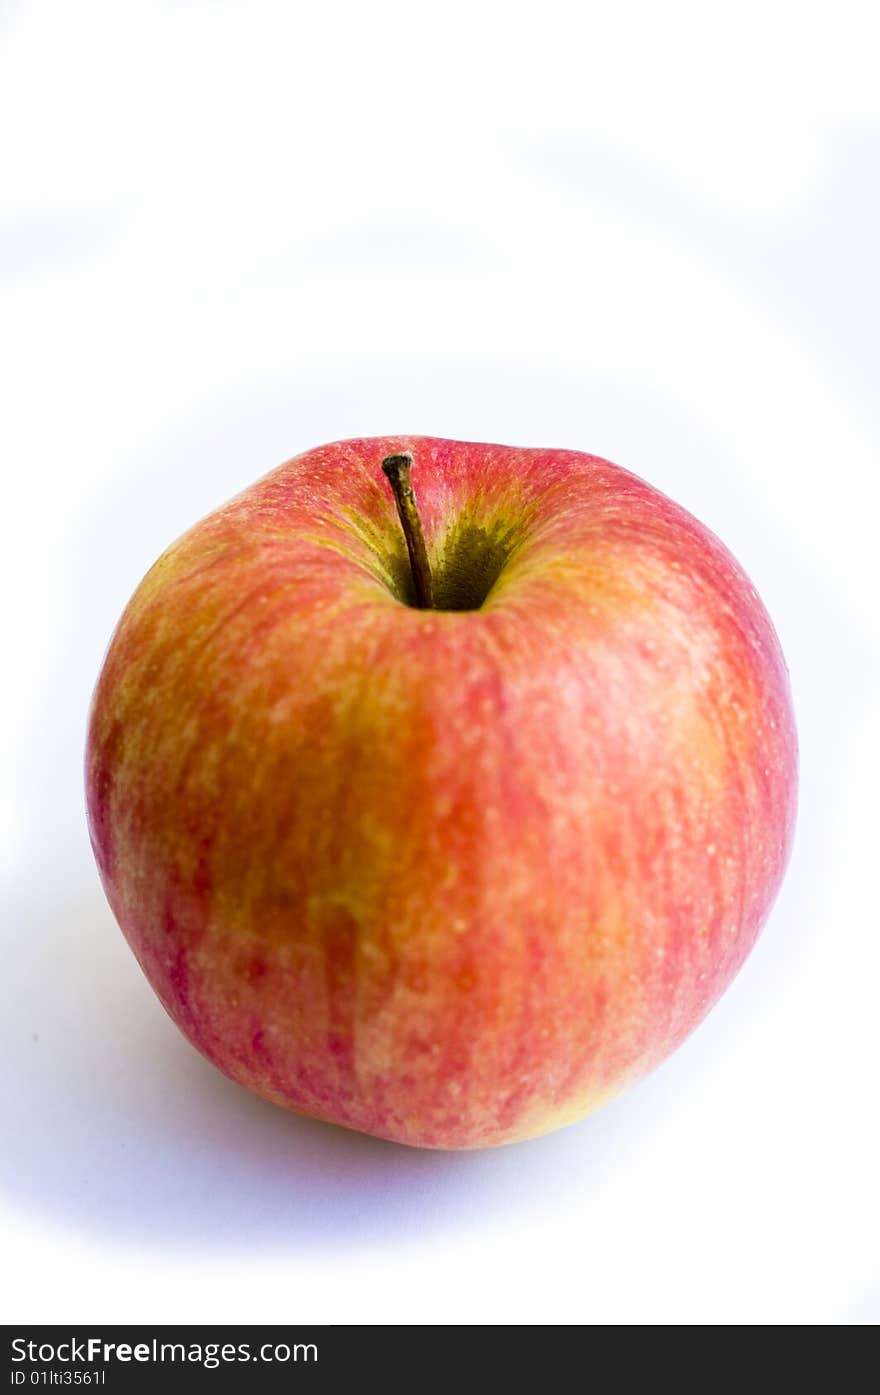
x=452 y=877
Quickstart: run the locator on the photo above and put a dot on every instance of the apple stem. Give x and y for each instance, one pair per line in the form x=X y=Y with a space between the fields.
x=397 y=468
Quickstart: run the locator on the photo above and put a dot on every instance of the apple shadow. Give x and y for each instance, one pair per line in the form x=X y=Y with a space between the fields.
x=118 y=1127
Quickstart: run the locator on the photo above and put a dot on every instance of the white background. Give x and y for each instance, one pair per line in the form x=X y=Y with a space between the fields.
x=232 y=232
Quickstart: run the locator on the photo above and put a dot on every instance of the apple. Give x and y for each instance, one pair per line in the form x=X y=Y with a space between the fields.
x=442 y=801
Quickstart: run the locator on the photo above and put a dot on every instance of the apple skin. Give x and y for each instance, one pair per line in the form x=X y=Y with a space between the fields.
x=451 y=877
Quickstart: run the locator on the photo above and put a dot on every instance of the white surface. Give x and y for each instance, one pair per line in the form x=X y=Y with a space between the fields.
x=229 y=233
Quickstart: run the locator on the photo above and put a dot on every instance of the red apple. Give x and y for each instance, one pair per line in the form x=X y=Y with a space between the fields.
x=454 y=875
